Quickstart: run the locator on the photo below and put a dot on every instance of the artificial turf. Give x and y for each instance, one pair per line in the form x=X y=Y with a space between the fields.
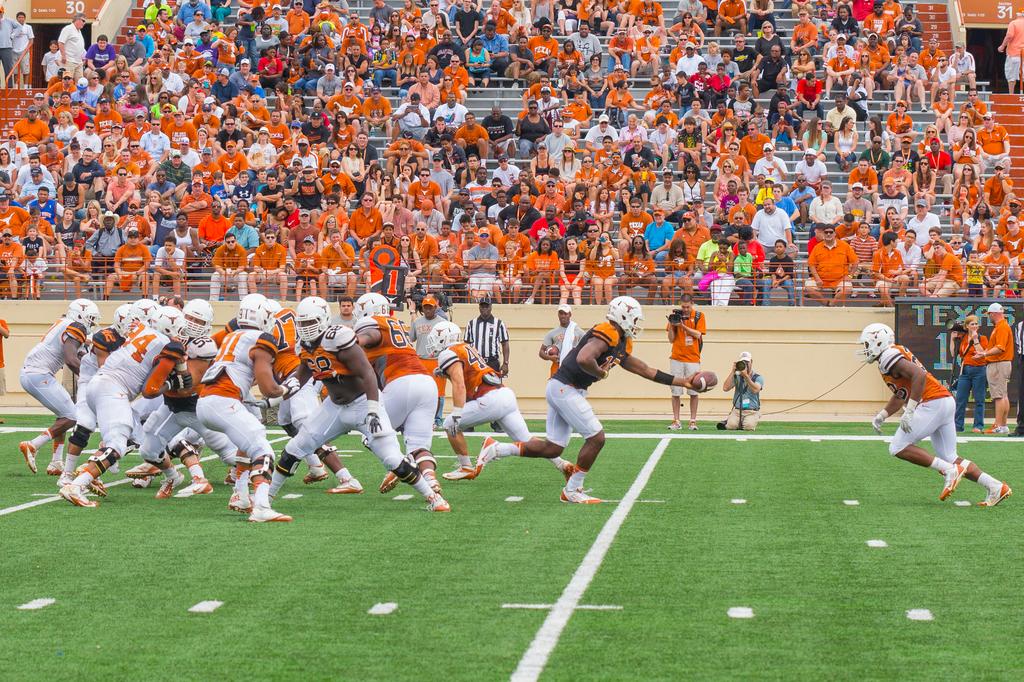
x=296 y=595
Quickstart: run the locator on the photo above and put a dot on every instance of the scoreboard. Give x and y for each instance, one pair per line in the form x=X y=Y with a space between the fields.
x=993 y=13
x=63 y=10
x=922 y=325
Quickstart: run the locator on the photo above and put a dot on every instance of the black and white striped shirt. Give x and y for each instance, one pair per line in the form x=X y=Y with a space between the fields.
x=486 y=336
x=1018 y=337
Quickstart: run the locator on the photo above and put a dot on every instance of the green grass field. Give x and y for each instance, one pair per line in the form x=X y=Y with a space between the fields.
x=296 y=596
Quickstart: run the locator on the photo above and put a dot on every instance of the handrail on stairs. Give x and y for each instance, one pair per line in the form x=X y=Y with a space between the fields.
x=16 y=67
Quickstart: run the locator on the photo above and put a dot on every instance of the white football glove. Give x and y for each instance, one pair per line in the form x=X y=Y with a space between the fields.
x=291 y=386
x=908 y=415
x=456 y=417
x=374 y=423
x=879 y=419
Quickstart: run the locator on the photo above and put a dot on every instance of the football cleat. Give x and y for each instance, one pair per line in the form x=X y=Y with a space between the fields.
x=28 y=451
x=953 y=478
x=199 y=486
x=65 y=479
x=230 y=479
x=236 y=503
x=55 y=468
x=349 y=486
x=488 y=452
x=432 y=481
x=169 y=484
x=267 y=515
x=76 y=496
x=389 y=483
x=995 y=498
x=466 y=473
x=141 y=482
x=144 y=470
x=577 y=496
x=97 y=488
x=438 y=504
x=315 y=476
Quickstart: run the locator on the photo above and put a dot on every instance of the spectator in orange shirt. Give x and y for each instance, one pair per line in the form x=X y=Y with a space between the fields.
x=169 y=265
x=998 y=364
x=12 y=256
x=131 y=263
x=229 y=261
x=309 y=270
x=949 y=273
x=213 y=227
x=471 y=135
x=270 y=264
x=829 y=267
x=78 y=266
x=338 y=260
x=732 y=16
x=994 y=142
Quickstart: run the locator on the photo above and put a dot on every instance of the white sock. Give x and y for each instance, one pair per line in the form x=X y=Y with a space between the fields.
x=83 y=479
x=506 y=450
x=576 y=480
x=261 y=496
x=196 y=471
x=70 y=463
x=343 y=475
x=558 y=463
x=58 y=454
x=277 y=480
x=42 y=439
x=422 y=486
x=991 y=484
x=313 y=462
x=465 y=461
x=242 y=485
x=940 y=465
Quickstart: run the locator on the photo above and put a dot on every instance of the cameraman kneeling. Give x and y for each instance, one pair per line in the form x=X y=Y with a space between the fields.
x=746 y=399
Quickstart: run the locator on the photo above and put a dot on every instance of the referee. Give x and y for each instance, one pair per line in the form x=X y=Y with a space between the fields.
x=487 y=334
x=1018 y=344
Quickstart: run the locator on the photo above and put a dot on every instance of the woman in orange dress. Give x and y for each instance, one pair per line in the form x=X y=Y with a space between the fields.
x=600 y=267
x=638 y=268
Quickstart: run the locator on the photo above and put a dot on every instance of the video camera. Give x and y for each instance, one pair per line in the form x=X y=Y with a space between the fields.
x=419 y=292
x=676 y=316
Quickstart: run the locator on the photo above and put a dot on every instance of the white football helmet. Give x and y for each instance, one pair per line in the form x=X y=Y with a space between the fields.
x=171 y=322
x=273 y=306
x=85 y=312
x=145 y=311
x=875 y=338
x=371 y=305
x=254 y=314
x=625 y=311
x=124 y=318
x=198 y=318
x=442 y=336
x=312 y=318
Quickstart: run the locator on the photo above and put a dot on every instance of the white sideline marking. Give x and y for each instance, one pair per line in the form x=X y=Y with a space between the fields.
x=962 y=503
x=531 y=665
x=54 y=498
x=738 y=500
x=920 y=614
x=878 y=544
x=740 y=612
x=814 y=439
x=383 y=608
x=291 y=496
x=401 y=498
x=741 y=439
x=581 y=607
x=208 y=606
x=513 y=498
x=36 y=604
x=851 y=503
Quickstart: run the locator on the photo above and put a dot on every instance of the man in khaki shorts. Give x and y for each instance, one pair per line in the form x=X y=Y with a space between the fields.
x=998 y=364
x=686 y=329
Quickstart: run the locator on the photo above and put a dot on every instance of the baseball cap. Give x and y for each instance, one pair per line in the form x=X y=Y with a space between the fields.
x=83 y=82
x=429 y=299
x=109 y=214
x=329 y=67
x=856 y=185
x=745 y=356
x=133 y=232
x=603 y=118
x=175 y=152
x=309 y=240
x=921 y=202
x=767 y=146
x=995 y=308
x=225 y=72
x=565 y=308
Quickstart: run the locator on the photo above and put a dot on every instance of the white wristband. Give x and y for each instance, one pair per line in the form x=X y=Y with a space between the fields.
x=456 y=411
x=911 y=404
x=884 y=413
x=373 y=406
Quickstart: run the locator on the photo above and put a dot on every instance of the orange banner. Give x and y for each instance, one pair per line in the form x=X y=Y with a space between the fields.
x=989 y=12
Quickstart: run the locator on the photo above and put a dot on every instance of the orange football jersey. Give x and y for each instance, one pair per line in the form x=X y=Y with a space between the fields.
x=933 y=390
x=395 y=355
x=479 y=377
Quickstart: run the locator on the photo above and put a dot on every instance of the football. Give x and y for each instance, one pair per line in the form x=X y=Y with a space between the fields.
x=704 y=381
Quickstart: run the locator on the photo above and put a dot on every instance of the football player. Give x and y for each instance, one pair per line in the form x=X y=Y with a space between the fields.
x=246 y=358
x=927 y=413
x=478 y=397
x=144 y=364
x=103 y=343
x=408 y=391
x=174 y=430
x=601 y=348
x=59 y=347
x=332 y=355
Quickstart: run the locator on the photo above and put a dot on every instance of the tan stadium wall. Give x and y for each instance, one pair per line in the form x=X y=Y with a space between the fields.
x=802 y=353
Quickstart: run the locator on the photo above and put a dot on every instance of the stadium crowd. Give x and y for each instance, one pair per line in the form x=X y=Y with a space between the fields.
x=230 y=149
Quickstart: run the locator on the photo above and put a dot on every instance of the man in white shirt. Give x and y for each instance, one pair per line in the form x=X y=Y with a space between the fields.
x=451 y=112
x=72 y=46
x=155 y=143
x=909 y=249
x=922 y=221
x=689 y=62
x=812 y=168
x=771 y=224
x=22 y=38
x=88 y=139
x=505 y=171
x=596 y=134
x=963 y=62
x=771 y=167
x=412 y=117
x=826 y=209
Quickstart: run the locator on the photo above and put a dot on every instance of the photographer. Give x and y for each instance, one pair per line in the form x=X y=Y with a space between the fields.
x=965 y=342
x=746 y=399
x=686 y=329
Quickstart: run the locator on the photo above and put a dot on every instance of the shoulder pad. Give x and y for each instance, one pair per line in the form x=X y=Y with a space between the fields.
x=607 y=332
x=77 y=330
x=338 y=338
x=232 y=325
x=889 y=357
x=201 y=348
x=446 y=358
x=269 y=338
x=107 y=339
x=366 y=323
x=174 y=350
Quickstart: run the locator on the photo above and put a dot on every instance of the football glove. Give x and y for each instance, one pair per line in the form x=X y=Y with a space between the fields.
x=374 y=423
x=291 y=386
x=879 y=419
x=456 y=417
x=908 y=415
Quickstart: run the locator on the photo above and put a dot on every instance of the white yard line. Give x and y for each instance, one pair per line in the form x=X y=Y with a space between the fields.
x=740 y=612
x=208 y=606
x=383 y=608
x=54 y=498
x=581 y=607
x=920 y=614
x=36 y=604
x=531 y=665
